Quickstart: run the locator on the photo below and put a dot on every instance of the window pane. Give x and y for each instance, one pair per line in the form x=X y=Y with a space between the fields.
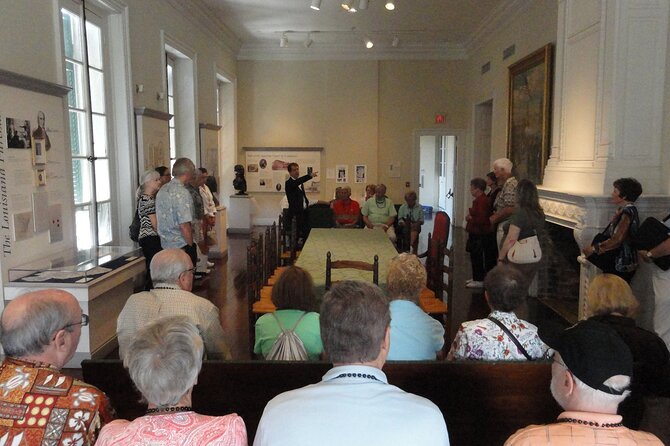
x=97 y=82
x=78 y=133
x=73 y=75
x=170 y=83
x=71 y=35
x=102 y=189
x=100 y=135
x=173 y=147
x=81 y=180
x=94 y=43
x=83 y=224
x=104 y=223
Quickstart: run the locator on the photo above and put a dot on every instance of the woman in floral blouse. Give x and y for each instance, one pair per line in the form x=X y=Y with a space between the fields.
x=483 y=339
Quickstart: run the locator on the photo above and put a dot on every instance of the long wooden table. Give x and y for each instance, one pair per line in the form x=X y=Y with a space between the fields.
x=345 y=244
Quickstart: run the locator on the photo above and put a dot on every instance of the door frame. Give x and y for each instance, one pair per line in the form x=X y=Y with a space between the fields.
x=460 y=159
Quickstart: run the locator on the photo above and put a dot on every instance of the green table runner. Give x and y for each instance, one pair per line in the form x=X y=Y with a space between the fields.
x=345 y=244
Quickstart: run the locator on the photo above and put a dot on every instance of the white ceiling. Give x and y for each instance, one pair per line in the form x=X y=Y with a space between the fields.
x=442 y=28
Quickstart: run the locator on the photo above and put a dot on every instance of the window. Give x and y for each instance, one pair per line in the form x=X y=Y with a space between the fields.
x=86 y=74
x=169 y=66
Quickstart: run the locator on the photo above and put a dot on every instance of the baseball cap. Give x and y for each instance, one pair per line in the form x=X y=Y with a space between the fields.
x=593 y=351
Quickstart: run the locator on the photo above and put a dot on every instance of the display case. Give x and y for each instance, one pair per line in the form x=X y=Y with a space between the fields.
x=100 y=278
x=75 y=267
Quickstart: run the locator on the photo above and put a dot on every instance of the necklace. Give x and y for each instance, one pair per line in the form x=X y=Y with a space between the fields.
x=169 y=409
x=357 y=375
x=588 y=423
x=380 y=204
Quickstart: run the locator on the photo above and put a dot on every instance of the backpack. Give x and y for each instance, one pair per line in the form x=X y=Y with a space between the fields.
x=288 y=346
x=134 y=228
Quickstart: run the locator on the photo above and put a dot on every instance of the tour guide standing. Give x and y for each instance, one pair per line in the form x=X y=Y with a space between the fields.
x=174 y=210
x=297 y=199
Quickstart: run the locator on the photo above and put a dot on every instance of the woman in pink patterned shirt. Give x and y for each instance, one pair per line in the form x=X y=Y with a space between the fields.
x=164 y=360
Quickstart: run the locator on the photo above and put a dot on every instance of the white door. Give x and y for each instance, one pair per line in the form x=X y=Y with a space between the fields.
x=447 y=156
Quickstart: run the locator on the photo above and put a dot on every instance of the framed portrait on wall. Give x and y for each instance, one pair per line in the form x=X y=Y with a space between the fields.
x=529 y=113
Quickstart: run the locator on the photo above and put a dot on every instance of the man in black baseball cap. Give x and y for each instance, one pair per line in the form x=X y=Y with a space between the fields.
x=590 y=376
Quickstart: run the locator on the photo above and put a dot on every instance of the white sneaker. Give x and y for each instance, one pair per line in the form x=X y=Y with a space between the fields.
x=474 y=284
x=468 y=281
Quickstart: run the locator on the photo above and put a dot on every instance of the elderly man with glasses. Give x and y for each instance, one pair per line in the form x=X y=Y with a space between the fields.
x=590 y=376
x=39 y=332
x=172 y=274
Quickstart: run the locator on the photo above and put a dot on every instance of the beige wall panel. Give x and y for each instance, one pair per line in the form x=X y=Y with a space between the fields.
x=411 y=93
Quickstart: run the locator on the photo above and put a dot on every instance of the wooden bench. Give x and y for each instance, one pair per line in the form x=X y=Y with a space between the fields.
x=482 y=403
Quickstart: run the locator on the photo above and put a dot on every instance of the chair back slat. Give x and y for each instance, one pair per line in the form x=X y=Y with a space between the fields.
x=351 y=264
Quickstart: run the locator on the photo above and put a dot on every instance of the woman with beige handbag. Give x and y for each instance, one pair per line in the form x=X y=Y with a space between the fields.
x=521 y=245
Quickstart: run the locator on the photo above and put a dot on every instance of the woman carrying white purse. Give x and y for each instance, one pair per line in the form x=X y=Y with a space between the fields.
x=521 y=245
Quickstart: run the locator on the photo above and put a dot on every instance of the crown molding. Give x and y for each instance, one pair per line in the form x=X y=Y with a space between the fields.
x=352 y=52
x=500 y=16
x=203 y=18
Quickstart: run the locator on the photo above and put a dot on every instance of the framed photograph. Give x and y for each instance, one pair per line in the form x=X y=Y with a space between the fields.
x=529 y=113
x=361 y=173
x=40 y=177
x=342 y=173
x=39 y=151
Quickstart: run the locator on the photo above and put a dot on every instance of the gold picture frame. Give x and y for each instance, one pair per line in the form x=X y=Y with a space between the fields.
x=529 y=113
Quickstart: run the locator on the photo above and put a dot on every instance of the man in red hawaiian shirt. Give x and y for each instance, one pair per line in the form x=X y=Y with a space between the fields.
x=39 y=332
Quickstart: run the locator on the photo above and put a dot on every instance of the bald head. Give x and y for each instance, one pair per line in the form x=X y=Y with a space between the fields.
x=30 y=321
x=168 y=265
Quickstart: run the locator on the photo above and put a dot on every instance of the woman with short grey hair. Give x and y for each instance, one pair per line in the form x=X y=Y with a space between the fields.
x=415 y=335
x=164 y=360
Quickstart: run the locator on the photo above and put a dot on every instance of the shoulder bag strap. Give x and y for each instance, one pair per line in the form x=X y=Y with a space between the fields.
x=281 y=327
x=298 y=321
x=511 y=336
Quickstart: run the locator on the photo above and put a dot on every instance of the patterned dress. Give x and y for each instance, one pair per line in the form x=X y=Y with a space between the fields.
x=174 y=429
x=482 y=339
x=41 y=406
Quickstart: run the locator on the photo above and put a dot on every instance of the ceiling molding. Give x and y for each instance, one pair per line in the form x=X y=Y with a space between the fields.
x=352 y=52
x=204 y=18
x=497 y=18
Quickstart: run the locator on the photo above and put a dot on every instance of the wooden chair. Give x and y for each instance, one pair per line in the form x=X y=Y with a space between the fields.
x=289 y=239
x=351 y=264
x=431 y=299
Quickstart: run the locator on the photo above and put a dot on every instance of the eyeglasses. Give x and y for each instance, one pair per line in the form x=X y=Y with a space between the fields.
x=83 y=323
x=190 y=270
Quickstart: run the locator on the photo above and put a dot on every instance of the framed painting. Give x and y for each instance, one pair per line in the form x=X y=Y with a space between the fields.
x=529 y=113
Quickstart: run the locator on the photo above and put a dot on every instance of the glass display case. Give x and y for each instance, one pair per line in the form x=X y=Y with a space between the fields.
x=75 y=267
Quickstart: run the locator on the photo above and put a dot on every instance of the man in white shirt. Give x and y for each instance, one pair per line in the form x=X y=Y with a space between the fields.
x=353 y=404
x=172 y=273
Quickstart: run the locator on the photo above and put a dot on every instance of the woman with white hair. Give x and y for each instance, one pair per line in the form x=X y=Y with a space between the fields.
x=415 y=336
x=146 y=208
x=505 y=201
x=164 y=360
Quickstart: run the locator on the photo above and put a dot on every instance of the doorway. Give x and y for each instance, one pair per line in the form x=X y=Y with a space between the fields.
x=437 y=170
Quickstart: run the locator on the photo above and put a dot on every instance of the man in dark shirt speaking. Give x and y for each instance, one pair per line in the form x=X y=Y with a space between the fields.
x=297 y=199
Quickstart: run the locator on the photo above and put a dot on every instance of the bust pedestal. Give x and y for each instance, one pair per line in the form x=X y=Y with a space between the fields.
x=239 y=215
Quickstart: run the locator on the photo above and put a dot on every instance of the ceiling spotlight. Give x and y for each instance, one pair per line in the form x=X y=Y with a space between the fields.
x=348 y=5
x=363 y=4
x=283 y=42
x=389 y=5
x=308 y=41
x=395 y=42
x=368 y=43
x=316 y=5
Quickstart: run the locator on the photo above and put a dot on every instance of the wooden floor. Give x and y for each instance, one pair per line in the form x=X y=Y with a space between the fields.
x=219 y=287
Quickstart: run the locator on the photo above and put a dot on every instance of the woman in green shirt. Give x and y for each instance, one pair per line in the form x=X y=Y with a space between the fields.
x=293 y=295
